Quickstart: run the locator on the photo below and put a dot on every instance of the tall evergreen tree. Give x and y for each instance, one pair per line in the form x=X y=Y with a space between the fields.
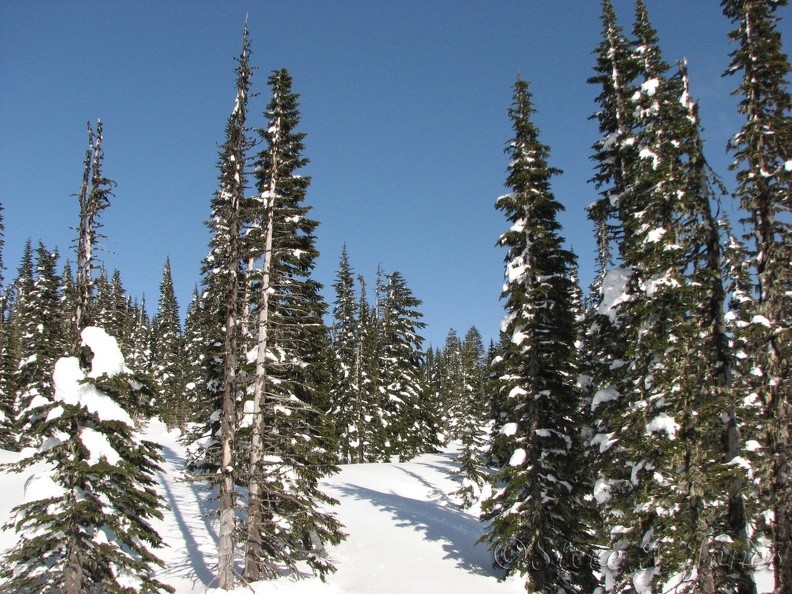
x=94 y=197
x=411 y=419
x=539 y=501
x=167 y=354
x=212 y=446
x=289 y=451
x=763 y=162
x=659 y=414
x=41 y=341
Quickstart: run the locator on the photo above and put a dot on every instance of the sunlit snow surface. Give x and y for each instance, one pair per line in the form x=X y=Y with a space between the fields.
x=406 y=534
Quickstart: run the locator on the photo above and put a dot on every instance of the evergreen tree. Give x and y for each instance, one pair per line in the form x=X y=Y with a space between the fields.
x=84 y=525
x=539 y=500
x=411 y=419
x=347 y=412
x=168 y=348
x=659 y=410
x=472 y=419
x=212 y=444
x=763 y=162
x=94 y=197
x=289 y=448
x=40 y=340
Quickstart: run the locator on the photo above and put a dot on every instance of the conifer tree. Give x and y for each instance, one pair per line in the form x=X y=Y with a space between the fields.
x=763 y=162
x=472 y=419
x=289 y=448
x=40 y=340
x=347 y=406
x=167 y=355
x=94 y=197
x=84 y=524
x=538 y=501
x=658 y=414
x=211 y=446
x=411 y=419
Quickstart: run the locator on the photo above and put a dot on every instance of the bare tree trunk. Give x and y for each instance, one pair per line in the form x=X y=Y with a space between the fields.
x=254 y=549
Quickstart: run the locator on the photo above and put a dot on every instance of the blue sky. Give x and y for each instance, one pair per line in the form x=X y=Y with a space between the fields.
x=404 y=105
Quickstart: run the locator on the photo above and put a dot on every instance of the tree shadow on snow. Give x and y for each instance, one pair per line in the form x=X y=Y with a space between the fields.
x=183 y=507
x=457 y=530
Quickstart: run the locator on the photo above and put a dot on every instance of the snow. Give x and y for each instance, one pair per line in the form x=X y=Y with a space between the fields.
x=509 y=429
x=650 y=86
x=406 y=533
x=663 y=422
x=107 y=357
x=68 y=389
x=98 y=447
x=614 y=291
x=518 y=457
x=788 y=165
x=604 y=395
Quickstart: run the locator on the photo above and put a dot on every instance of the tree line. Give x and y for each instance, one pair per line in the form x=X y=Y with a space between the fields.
x=632 y=438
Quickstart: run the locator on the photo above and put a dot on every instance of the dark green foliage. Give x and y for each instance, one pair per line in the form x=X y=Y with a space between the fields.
x=763 y=162
x=84 y=525
x=168 y=355
x=538 y=496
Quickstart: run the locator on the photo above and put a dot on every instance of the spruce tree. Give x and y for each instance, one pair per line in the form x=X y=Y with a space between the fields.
x=40 y=341
x=212 y=444
x=411 y=418
x=289 y=447
x=763 y=162
x=538 y=502
x=659 y=433
x=167 y=354
x=84 y=524
x=472 y=419
x=347 y=406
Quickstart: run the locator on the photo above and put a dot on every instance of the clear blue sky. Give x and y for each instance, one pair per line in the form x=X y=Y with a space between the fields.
x=404 y=105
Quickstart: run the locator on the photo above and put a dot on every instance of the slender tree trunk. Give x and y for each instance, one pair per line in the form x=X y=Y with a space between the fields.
x=254 y=551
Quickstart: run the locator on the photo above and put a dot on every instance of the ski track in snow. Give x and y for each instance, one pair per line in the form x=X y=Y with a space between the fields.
x=405 y=534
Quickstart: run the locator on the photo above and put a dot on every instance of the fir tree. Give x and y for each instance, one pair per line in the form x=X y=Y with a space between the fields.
x=289 y=448
x=539 y=499
x=763 y=162
x=347 y=407
x=84 y=525
x=411 y=419
x=41 y=341
x=168 y=346
x=212 y=447
x=472 y=419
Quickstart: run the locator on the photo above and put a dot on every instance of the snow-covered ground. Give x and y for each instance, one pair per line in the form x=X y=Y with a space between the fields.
x=405 y=533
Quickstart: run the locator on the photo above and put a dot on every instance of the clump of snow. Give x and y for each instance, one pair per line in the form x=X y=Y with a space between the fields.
x=98 y=447
x=663 y=422
x=107 y=357
x=41 y=486
x=67 y=378
x=509 y=429
x=518 y=457
x=604 y=395
x=650 y=86
x=614 y=291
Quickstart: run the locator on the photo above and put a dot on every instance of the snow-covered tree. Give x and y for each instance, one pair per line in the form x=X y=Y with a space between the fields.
x=94 y=197
x=537 y=502
x=84 y=525
x=472 y=419
x=666 y=483
x=411 y=420
x=212 y=448
x=41 y=342
x=289 y=449
x=763 y=162
x=168 y=354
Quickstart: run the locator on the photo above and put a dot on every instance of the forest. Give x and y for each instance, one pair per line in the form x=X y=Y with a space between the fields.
x=632 y=436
